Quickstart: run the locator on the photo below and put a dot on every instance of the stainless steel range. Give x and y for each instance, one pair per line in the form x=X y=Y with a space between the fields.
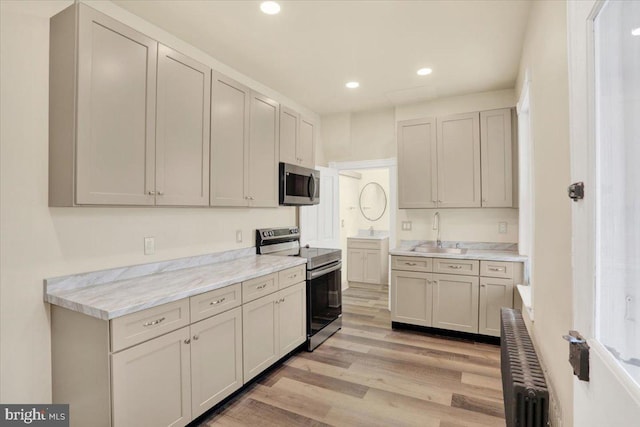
x=324 y=288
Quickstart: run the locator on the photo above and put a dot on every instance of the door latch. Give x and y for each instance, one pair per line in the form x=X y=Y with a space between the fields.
x=578 y=355
x=576 y=191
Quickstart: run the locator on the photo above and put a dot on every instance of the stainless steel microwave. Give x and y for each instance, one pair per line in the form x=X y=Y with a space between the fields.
x=299 y=186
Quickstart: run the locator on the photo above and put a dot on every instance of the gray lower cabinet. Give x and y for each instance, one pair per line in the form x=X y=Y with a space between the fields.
x=425 y=293
x=455 y=302
x=167 y=365
x=273 y=326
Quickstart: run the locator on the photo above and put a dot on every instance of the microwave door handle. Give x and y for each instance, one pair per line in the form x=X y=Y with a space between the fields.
x=317 y=273
x=311 y=187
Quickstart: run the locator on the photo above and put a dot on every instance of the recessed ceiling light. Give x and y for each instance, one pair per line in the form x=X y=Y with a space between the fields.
x=352 y=85
x=635 y=32
x=270 y=7
x=424 y=71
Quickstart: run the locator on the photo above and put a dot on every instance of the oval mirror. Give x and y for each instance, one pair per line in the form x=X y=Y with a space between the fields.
x=373 y=201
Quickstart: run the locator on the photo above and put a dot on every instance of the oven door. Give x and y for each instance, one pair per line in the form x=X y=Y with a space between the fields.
x=299 y=186
x=324 y=296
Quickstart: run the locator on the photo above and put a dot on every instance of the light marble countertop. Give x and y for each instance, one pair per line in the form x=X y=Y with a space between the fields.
x=116 y=298
x=477 y=251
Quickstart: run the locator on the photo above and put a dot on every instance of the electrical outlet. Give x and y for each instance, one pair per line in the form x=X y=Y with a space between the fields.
x=406 y=225
x=502 y=227
x=342 y=223
x=149 y=245
x=238 y=236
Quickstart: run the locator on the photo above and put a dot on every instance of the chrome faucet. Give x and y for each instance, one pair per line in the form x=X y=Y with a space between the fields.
x=436 y=226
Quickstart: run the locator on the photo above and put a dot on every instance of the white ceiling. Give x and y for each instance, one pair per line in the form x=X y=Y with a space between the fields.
x=312 y=48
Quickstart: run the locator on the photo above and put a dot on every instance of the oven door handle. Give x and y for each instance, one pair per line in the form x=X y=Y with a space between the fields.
x=317 y=273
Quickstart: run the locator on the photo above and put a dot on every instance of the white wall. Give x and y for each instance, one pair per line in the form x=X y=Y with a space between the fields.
x=39 y=242
x=545 y=58
x=371 y=135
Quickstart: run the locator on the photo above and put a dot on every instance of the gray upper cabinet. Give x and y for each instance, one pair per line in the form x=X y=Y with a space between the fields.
x=495 y=142
x=182 y=130
x=459 y=161
x=297 y=138
x=128 y=126
x=263 y=150
x=230 y=109
x=417 y=164
x=307 y=143
x=244 y=146
x=288 y=135
x=102 y=141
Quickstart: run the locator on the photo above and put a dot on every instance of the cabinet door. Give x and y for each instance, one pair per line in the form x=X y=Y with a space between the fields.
x=355 y=265
x=116 y=110
x=306 y=143
x=459 y=161
x=230 y=103
x=371 y=270
x=260 y=338
x=494 y=294
x=417 y=164
x=216 y=359
x=151 y=382
x=263 y=152
x=495 y=143
x=288 y=135
x=455 y=302
x=182 y=130
x=292 y=317
x=411 y=297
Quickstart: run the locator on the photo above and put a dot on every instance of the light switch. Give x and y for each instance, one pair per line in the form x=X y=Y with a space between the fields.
x=238 y=236
x=406 y=225
x=502 y=227
x=149 y=245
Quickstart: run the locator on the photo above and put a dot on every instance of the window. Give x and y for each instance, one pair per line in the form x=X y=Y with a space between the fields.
x=617 y=137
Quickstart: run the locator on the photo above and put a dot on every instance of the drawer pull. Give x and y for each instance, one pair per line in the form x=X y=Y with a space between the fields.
x=264 y=285
x=187 y=341
x=217 y=301
x=455 y=267
x=196 y=337
x=496 y=268
x=410 y=263
x=293 y=276
x=155 y=322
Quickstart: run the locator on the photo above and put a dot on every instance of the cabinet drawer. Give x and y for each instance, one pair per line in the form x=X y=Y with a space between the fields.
x=260 y=286
x=411 y=263
x=461 y=266
x=363 y=244
x=291 y=276
x=496 y=269
x=141 y=326
x=214 y=302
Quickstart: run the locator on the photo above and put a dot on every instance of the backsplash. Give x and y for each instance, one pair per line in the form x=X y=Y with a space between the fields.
x=463 y=224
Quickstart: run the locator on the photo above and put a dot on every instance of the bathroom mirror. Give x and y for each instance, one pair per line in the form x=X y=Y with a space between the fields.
x=373 y=201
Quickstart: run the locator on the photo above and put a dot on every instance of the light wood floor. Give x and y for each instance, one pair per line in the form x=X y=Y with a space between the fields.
x=370 y=375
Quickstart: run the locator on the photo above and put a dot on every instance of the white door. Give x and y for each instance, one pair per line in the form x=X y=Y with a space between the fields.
x=319 y=223
x=604 y=47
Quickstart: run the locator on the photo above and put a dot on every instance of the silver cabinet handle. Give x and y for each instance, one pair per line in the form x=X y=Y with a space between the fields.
x=196 y=337
x=160 y=193
x=455 y=267
x=151 y=193
x=282 y=300
x=482 y=286
x=261 y=286
x=187 y=341
x=217 y=301
x=155 y=322
x=496 y=268
x=410 y=263
x=293 y=276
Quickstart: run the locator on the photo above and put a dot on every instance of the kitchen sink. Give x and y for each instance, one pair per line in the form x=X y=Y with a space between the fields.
x=436 y=250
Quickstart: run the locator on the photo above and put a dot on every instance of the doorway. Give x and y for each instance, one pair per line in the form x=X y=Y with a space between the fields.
x=367 y=206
